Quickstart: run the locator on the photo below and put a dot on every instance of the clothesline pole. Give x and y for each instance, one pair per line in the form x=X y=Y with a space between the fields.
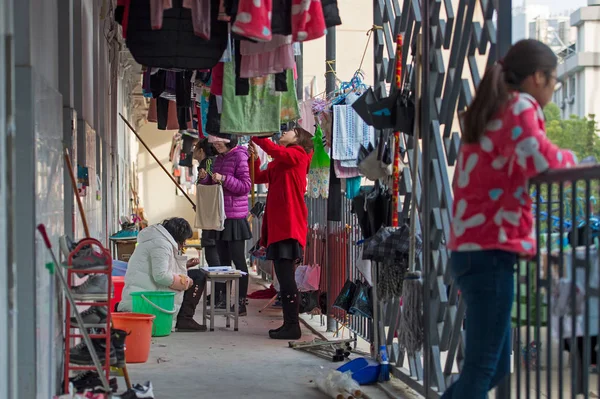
x=158 y=162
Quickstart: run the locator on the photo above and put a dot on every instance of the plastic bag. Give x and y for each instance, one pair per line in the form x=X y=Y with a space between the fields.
x=308 y=277
x=200 y=17
x=345 y=297
x=362 y=304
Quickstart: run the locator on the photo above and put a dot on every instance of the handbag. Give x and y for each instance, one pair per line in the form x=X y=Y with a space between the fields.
x=361 y=106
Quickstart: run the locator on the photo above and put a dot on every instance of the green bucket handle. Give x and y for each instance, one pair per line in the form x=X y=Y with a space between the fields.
x=155 y=306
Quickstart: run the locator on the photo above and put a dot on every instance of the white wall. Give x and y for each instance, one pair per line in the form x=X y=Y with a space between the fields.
x=357 y=19
x=156 y=190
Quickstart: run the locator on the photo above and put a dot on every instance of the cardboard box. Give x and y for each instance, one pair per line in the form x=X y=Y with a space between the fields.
x=125 y=249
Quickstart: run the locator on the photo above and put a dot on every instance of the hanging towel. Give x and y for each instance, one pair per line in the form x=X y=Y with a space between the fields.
x=349 y=132
x=210 y=207
x=262 y=110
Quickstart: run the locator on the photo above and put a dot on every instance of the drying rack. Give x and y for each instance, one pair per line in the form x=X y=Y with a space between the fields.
x=104 y=301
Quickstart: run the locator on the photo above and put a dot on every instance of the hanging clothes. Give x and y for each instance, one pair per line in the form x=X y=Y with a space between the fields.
x=349 y=132
x=318 y=175
x=262 y=110
x=260 y=59
x=307 y=118
x=176 y=44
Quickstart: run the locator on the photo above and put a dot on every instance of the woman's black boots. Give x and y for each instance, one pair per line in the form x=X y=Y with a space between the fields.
x=185 y=318
x=291 y=320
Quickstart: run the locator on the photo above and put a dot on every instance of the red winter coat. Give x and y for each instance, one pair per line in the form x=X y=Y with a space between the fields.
x=286 y=215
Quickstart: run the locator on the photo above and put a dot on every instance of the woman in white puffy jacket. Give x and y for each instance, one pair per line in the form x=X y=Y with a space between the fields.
x=157 y=266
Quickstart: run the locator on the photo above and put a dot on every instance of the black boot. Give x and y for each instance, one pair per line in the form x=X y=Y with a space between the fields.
x=185 y=318
x=291 y=319
x=242 y=310
x=117 y=339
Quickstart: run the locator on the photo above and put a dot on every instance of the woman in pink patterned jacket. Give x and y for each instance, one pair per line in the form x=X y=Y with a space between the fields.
x=231 y=170
x=504 y=144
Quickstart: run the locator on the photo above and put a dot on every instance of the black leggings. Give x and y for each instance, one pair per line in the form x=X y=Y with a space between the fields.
x=233 y=251
x=286 y=275
x=212 y=255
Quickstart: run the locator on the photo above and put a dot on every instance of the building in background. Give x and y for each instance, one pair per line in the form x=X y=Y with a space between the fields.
x=578 y=92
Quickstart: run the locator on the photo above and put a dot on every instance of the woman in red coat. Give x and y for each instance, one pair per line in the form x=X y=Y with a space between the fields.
x=285 y=223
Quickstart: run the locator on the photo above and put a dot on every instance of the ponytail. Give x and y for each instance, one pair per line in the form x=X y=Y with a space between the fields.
x=524 y=59
x=491 y=96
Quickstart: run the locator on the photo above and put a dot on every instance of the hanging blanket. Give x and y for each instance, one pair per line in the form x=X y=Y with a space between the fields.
x=349 y=132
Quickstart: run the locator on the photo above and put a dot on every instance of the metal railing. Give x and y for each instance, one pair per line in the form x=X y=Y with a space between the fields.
x=555 y=317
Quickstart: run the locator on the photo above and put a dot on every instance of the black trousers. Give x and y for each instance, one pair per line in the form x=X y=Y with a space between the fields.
x=212 y=255
x=233 y=251
x=286 y=275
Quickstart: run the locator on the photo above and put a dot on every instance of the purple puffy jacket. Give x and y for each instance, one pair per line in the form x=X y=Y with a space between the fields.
x=236 y=187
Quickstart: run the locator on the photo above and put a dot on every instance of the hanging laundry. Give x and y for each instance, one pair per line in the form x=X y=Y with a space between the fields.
x=176 y=44
x=262 y=110
x=307 y=118
x=253 y=20
x=289 y=100
x=331 y=13
x=200 y=15
x=260 y=59
x=318 y=175
x=349 y=133
x=308 y=22
x=344 y=172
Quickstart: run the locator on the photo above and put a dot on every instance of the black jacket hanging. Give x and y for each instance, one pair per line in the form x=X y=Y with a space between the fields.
x=174 y=45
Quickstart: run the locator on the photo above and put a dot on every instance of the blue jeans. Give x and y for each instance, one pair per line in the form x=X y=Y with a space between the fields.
x=486 y=282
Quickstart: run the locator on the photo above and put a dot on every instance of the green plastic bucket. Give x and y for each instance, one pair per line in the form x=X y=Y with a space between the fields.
x=159 y=303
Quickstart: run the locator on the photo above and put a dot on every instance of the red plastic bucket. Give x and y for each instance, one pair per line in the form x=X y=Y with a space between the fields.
x=138 y=327
x=118 y=284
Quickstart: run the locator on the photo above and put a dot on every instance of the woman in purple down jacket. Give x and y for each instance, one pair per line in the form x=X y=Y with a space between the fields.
x=230 y=168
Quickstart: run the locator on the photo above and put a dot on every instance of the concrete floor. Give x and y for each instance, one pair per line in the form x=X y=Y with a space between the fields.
x=225 y=364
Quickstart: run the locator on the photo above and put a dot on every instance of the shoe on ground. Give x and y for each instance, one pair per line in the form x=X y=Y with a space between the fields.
x=288 y=331
x=80 y=355
x=91 y=380
x=144 y=391
x=242 y=309
x=189 y=325
x=95 y=288
x=92 y=315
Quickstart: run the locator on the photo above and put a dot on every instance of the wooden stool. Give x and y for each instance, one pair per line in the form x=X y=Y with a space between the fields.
x=229 y=278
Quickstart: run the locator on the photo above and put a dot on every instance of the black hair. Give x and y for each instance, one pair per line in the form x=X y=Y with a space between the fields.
x=208 y=148
x=233 y=141
x=525 y=58
x=179 y=229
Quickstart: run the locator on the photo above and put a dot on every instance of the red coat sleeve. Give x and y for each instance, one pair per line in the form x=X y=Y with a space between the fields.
x=290 y=156
x=260 y=176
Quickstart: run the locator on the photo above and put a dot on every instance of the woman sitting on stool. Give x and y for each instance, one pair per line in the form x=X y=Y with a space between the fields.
x=156 y=265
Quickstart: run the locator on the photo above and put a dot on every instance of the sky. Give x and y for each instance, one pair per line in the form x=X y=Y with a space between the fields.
x=558 y=5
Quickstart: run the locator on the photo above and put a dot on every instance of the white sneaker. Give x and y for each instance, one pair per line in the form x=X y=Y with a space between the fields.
x=144 y=391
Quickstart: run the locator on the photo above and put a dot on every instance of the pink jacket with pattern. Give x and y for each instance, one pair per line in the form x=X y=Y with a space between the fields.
x=492 y=205
x=236 y=186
